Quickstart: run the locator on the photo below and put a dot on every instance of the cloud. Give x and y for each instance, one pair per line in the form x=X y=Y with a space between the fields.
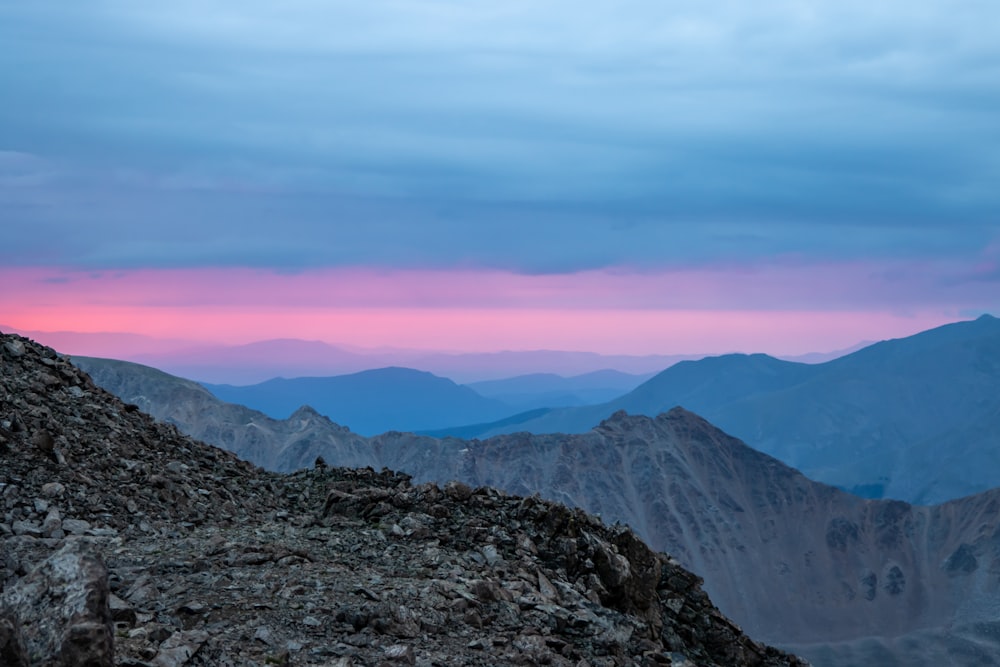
x=941 y=286
x=536 y=137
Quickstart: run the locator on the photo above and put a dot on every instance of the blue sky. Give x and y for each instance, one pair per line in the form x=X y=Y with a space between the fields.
x=529 y=137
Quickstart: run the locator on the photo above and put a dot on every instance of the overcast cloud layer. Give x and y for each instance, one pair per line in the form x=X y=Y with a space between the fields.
x=540 y=137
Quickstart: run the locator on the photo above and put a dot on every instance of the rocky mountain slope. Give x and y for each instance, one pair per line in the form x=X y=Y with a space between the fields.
x=276 y=444
x=880 y=421
x=843 y=579
x=126 y=543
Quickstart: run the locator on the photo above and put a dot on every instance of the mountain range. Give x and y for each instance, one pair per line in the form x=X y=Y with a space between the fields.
x=404 y=399
x=372 y=401
x=258 y=361
x=251 y=363
x=127 y=543
x=915 y=419
x=842 y=579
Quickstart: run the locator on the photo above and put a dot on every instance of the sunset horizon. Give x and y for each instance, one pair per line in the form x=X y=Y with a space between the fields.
x=561 y=312
x=450 y=179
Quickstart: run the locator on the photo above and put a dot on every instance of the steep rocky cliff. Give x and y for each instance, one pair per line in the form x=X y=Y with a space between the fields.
x=211 y=561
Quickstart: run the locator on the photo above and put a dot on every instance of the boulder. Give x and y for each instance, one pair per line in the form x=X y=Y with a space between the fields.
x=58 y=614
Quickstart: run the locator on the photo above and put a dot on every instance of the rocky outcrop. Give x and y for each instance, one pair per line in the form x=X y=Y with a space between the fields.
x=212 y=562
x=589 y=586
x=58 y=615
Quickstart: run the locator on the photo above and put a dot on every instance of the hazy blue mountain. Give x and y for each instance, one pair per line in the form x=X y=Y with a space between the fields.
x=698 y=385
x=257 y=361
x=820 y=357
x=263 y=360
x=474 y=430
x=370 y=402
x=878 y=421
x=548 y=390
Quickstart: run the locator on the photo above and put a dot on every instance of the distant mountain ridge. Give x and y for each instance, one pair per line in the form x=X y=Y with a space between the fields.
x=847 y=581
x=372 y=401
x=258 y=361
x=548 y=390
x=405 y=399
x=877 y=421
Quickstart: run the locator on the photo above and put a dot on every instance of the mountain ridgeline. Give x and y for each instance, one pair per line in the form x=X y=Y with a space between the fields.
x=403 y=399
x=371 y=402
x=842 y=579
x=915 y=419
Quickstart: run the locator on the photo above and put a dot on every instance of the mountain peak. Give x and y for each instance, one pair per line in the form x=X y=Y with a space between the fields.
x=677 y=412
x=305 y=411
x=618 y=417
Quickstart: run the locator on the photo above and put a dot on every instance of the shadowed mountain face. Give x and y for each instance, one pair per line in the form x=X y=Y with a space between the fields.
x=916 y=419
x=846 y=580
x=372 y=401
x=790 y=559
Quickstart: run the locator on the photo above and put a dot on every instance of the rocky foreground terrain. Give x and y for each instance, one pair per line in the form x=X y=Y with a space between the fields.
x=839 y=579
x=126 y=543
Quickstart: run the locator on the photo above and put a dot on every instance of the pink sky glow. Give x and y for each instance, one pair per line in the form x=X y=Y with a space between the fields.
x=780 y=309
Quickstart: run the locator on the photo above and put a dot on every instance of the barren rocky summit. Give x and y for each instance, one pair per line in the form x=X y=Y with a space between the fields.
x=123 y=542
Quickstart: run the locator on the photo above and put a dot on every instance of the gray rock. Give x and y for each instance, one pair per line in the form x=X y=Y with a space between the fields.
x=14 y=348
x=52 y=523
x=62 y=609
x=75 y=526
x=491 y=555
x=458 y=490
x=29 y=528
x=53 y=489
x=545 y=587
x=178 y=648
x=402 y=653
x=263 y=634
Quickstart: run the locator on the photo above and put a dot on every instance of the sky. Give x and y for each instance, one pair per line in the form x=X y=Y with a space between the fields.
x=629 y=177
